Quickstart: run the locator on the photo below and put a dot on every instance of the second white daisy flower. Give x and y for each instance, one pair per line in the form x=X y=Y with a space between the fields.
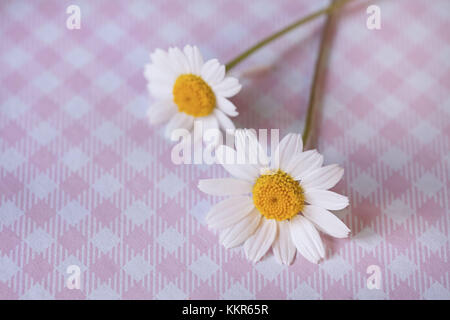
x=187 y=89
x=278 y=206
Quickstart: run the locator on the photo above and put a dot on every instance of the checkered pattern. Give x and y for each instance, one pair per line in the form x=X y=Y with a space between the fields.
x=85 y=180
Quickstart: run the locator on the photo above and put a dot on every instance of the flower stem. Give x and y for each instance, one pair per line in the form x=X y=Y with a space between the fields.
x=320 y=63
x=328 y=10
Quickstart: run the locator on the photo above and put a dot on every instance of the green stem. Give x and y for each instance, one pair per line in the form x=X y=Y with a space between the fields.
x=313 y=94
x=335 y=5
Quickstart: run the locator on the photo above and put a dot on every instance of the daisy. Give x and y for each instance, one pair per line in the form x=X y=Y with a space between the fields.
x=281 y=205
x=186 y=89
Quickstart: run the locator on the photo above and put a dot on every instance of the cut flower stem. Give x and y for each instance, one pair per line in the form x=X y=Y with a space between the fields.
x=332 y=7
x=318 y=68
x=330 y=10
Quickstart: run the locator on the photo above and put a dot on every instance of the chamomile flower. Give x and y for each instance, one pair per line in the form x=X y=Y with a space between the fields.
x=186 y=89
x=281 y=205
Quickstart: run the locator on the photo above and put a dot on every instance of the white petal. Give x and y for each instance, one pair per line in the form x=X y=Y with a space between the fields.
x=161 y=112
x=194 y=58
x=225 y=187
x=283 y=248
x=213 y=72
x=326 y=221
x=290 y=146
x=208 y=122
x=323 y=178
x=153 y=73
x=179 y=120
x=179 y=61
x=249 y=149
x=226 y=106
x=205 y=137
x=303 y=163
x=326 y=199
x=198 y=58
x=306 y=239
x=161 y=60
x=259 y=243
x=160 y=90
x=241 y=231
x=224 y=121
x=189 y=52
x=228 y=159
x=228 y=87
x=228 y=212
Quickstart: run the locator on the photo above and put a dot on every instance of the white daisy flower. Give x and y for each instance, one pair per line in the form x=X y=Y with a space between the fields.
x=279 y=206
x=188 y=89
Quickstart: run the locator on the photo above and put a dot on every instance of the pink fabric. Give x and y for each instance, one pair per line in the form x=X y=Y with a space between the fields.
x=84 y=180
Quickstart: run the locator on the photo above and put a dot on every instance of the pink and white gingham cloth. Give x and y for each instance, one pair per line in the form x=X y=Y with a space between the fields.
x=86 y=181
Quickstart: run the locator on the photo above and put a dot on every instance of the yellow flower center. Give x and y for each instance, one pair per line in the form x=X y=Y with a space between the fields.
x=193 y=95
x=278 y=196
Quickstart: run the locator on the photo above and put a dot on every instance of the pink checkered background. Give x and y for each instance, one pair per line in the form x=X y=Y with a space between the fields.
x=85 y=180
